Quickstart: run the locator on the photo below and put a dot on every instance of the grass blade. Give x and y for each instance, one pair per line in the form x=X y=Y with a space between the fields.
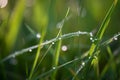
x=14 y=23
x=56 y=59
x=103 y=27
x=42 y=22
x=95 y=45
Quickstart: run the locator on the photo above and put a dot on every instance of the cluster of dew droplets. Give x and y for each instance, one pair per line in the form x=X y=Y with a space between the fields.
x=91 y=37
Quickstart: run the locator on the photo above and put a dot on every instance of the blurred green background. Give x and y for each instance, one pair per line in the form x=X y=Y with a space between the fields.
x=22 y=20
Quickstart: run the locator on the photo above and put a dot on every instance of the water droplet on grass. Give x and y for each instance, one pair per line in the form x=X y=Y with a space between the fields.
x=53 y=67
x=83 y=63
x=59 y=38
x=115 y=38
x=38 y=35
x=53 y=43
x=91 y=38
x=30 y=50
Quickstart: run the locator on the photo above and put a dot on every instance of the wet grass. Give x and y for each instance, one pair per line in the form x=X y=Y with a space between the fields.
x=32 y=48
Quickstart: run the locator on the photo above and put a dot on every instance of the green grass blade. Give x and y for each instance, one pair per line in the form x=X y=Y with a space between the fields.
x=14 y=23
x=56 y=59
x=57 y=53
x=44 y=55
x=106 y=21
x=95 y=46
x=103 y=27
x=41 y=21
x=111 y=64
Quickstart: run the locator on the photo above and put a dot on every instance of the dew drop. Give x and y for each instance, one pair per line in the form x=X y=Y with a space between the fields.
x=64 y=48
x=38 y=35
x=30 y=50
x=53 y=67
x=53 y=43
x=91 y=38
x=59 y=38
x=83 y=63
x=115 y=38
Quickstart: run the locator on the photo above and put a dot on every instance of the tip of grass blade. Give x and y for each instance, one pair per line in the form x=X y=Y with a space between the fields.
x=115 y=2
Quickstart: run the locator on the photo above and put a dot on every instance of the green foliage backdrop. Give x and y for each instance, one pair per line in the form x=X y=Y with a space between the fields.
x=60 y=40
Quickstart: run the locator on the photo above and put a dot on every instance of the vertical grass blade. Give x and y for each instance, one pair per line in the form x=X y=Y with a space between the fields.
x=57 y=52
x=111 y=64
x=106 y=21
x=41 y=21
x=14 y=23
x=56 y=59
x=95 y=46
x=103 y=27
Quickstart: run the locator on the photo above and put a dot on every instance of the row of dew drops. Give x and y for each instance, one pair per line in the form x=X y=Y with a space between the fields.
x=64 y=47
